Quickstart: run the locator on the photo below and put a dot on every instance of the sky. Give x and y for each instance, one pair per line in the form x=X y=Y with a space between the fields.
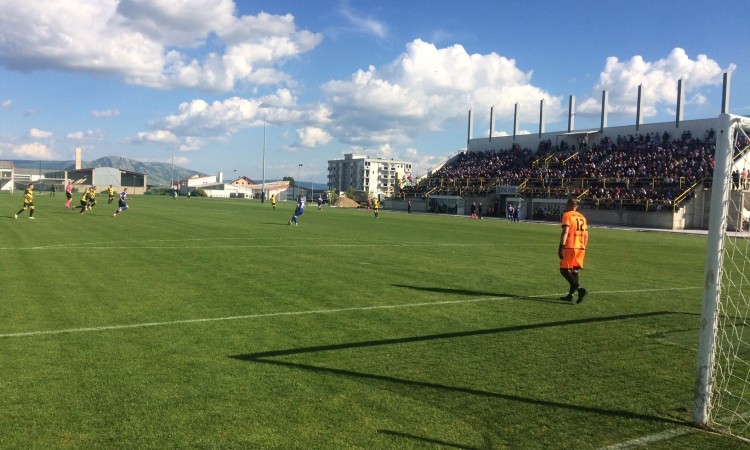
x=236 y=86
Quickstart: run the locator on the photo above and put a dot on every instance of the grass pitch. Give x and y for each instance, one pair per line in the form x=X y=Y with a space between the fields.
x=213 y=324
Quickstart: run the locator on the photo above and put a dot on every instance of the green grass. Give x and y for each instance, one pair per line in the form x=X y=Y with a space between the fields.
x=213 y=324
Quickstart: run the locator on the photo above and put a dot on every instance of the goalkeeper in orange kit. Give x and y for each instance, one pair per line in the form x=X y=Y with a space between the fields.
x=572 y=249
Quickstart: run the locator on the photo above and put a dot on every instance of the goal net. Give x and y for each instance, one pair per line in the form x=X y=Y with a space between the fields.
x=723 y=375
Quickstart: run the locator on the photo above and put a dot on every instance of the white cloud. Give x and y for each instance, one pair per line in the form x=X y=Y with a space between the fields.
x=85 y=135
x=191 y=144
x=6 y=104
x=421 y=162
x=658 y=78
x=33 y=150
x=312 y=137
x=495 y=133
x=36 y=133
x=426 y=88
x=198 y=122
x=157 y=136
x=155 y=43
x=364 y=24
x=698 y=99
x=180 y=160
x=107 y=113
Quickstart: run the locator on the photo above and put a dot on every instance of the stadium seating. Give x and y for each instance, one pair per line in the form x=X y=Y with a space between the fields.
x=651 y=172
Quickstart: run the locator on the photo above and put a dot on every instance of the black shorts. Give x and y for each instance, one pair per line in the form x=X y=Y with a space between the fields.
x=68 y=195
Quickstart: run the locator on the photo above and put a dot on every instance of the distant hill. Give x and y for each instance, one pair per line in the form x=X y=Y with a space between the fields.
x=316 y=186
x=158 y=173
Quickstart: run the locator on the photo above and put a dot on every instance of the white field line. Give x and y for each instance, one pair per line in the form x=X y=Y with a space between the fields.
x=144 y=244
x=300 y=313
x=136 y=246
x=650 y=439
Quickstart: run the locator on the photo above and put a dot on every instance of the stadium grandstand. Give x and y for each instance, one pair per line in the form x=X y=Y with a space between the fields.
x=651 y=175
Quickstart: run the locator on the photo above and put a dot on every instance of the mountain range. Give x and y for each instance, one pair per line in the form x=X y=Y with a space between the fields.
x=159 y=174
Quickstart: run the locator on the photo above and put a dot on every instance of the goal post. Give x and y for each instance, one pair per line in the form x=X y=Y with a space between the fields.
x=722 y=385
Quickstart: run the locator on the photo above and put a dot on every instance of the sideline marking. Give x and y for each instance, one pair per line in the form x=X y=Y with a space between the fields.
x=650 y=439
x=304 y=313
x=266 y=245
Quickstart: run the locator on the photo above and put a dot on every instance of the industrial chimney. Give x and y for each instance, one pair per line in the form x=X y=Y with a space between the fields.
x=78 y=158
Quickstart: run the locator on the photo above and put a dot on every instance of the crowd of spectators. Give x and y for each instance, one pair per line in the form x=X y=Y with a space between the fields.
x=635 y=171
x=477 y=173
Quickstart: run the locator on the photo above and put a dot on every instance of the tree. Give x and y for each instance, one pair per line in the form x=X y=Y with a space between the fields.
x=290 y=180
x=351 y=193
x=333 y=196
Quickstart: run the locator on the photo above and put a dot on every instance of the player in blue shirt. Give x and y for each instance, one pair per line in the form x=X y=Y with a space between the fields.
x=122 y=204
x=300 y=209
x=320 y=202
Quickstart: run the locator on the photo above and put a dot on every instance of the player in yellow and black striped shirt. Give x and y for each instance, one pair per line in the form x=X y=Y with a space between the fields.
x=84 y=200
x=28 y=202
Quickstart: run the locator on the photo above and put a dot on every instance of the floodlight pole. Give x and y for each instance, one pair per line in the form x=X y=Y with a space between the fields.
x=263 y=183
x=174 y=142
x=299 y=175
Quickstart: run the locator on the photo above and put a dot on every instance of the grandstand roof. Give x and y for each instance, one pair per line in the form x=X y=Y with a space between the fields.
x=577 y=133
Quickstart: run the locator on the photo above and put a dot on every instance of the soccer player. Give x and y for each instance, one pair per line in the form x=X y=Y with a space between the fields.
x=273 y=201
x=92 y=197
x=376 y=207
x=572 y=249
x=68 y=194
x=320 y=202
x=300 y=209
x=84 y=203
x=28 y=202
x=122 y=204
x=110 y=194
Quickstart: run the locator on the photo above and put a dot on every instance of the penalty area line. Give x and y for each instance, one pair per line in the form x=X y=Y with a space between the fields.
x=295 y=313
x=244 y=317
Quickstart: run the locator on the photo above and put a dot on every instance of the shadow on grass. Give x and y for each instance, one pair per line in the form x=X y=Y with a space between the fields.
x=284 y=224
x=434 y=337
x=426 y=440
x=266 y=358
x=472 y=293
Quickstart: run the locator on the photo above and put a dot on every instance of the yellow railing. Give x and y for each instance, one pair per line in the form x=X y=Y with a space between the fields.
x=570 y=157
x=685 y=194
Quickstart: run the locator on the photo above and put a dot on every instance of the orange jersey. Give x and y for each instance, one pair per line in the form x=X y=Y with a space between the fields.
x=578 y=230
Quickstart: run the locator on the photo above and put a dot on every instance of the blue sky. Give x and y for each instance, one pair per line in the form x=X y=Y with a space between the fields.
x=145 y=79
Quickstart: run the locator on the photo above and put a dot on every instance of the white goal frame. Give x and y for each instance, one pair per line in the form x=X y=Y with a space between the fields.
x=707 y=392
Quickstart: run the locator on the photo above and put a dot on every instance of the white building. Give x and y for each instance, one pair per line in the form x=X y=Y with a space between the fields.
x=243 y=187
x=377 y=177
